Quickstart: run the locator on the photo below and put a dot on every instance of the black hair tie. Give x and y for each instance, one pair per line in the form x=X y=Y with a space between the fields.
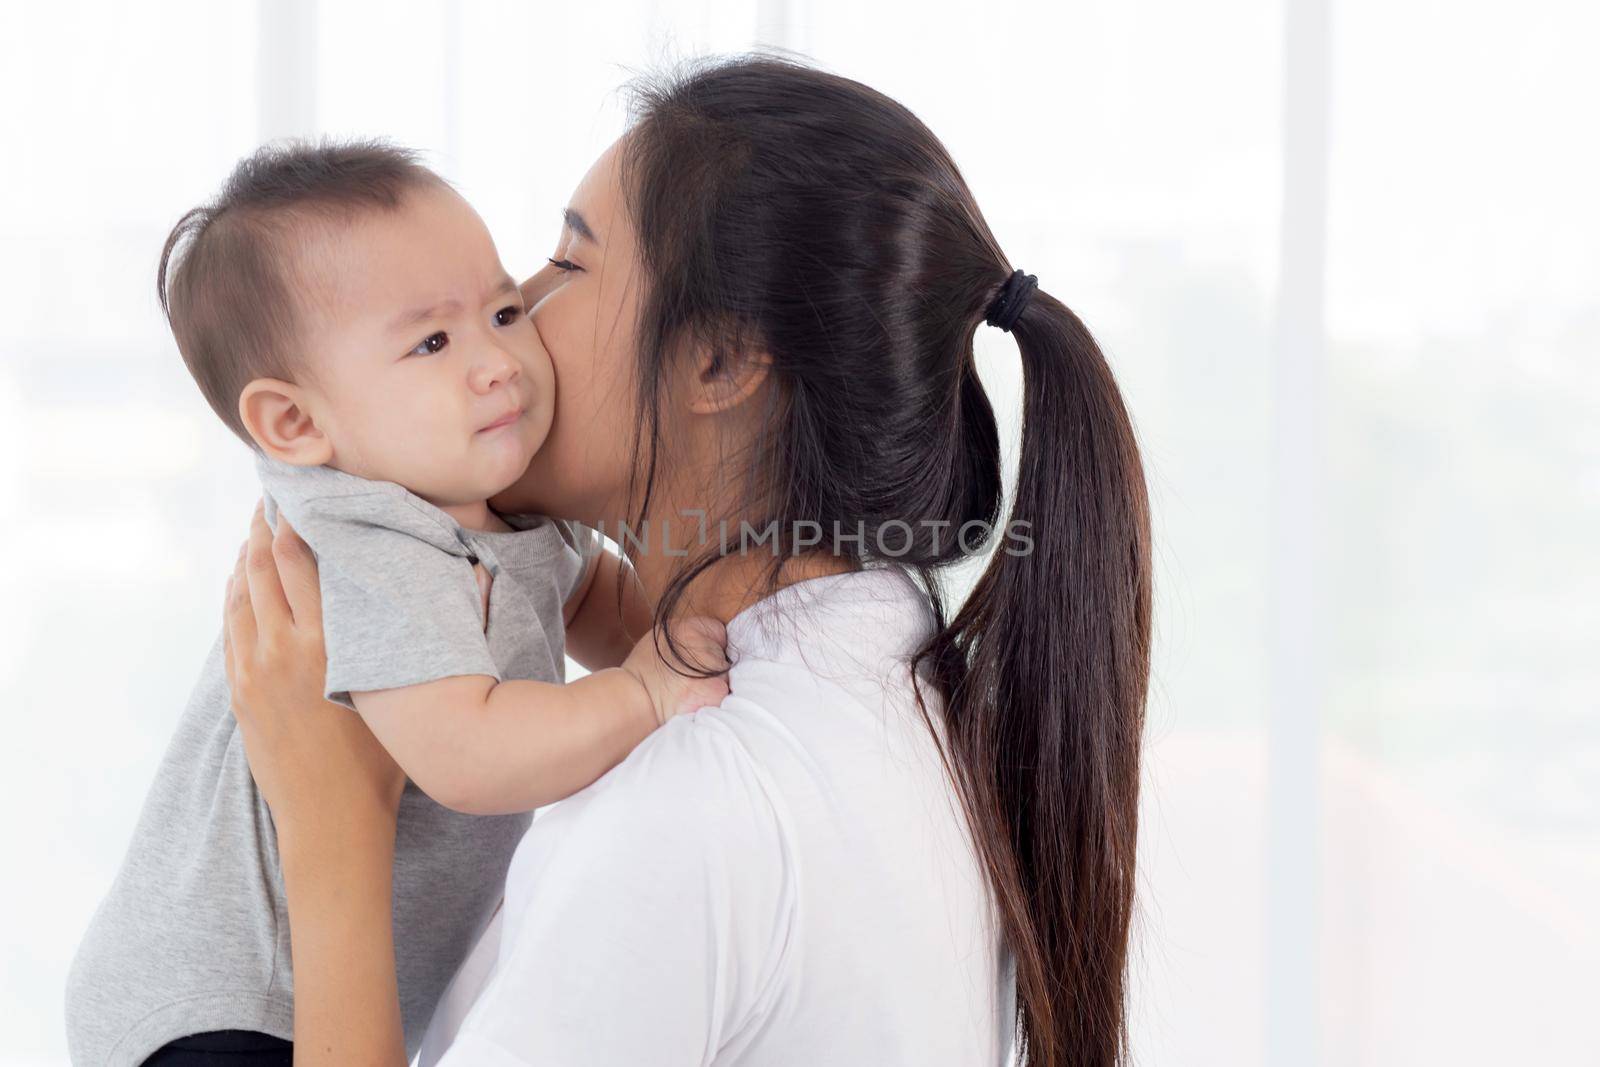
x=1013 y=297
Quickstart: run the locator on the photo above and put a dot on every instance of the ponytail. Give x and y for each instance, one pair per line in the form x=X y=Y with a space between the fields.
x=1045 y=669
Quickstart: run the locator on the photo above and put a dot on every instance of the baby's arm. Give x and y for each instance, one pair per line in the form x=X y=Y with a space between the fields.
x=598 y=635
x=487 y=748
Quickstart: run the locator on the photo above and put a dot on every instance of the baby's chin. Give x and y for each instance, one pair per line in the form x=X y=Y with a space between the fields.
x=511 y=498
x=483 y=484
x=500 y=466
x=514 y=457
x=449 y=473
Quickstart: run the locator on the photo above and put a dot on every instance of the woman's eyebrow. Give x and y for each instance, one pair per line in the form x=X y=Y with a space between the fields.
x=578 y=225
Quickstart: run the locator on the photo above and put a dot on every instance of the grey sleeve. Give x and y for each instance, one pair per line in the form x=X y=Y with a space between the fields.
x=585 y=543
x=396 y=610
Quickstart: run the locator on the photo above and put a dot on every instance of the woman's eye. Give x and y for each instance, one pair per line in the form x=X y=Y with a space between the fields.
x=434 y=342
x=507 y=315
x=564 y=265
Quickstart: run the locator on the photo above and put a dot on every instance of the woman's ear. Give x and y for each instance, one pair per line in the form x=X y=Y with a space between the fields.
x=724 y=380
x=276 y=414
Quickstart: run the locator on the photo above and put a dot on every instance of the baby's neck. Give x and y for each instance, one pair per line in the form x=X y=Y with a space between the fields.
x=475 y=516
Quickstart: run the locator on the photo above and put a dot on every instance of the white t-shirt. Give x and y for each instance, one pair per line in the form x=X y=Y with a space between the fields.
x=785 y=878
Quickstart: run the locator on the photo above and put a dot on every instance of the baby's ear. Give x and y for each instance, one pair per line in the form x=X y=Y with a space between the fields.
x=277 y=415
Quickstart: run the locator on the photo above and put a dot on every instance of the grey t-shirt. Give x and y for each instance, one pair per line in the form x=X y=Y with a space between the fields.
x=193 y=934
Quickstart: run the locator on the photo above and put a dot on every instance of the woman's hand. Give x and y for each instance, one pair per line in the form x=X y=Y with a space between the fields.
x=334 y=794
x=316 y=762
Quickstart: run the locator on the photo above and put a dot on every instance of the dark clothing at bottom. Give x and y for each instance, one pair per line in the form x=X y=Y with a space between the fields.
x=224 y=1048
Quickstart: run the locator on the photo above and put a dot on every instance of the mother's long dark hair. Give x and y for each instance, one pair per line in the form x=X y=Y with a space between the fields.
x=792 y=212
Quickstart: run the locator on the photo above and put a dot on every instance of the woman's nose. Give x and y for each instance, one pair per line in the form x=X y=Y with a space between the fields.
x=536 y=288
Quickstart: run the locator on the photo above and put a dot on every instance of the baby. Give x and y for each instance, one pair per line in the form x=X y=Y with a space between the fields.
x=346 y=314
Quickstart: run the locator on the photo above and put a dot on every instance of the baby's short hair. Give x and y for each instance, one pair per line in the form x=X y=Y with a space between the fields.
x=226 y=278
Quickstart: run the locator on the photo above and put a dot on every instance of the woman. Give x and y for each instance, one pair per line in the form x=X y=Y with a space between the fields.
x=903 y=838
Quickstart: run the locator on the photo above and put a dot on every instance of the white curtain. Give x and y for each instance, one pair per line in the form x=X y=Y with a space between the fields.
x=1343 y=255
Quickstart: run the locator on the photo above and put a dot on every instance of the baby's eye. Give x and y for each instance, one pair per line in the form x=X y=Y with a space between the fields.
x=434 y=342
x=507 y=315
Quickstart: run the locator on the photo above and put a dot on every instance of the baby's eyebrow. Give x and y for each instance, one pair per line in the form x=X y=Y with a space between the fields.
x=411 y=318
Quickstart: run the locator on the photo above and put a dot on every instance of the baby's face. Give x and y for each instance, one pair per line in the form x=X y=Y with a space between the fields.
x=425 y=369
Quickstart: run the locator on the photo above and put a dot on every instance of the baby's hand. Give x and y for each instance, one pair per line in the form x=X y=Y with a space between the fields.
x=704 y=642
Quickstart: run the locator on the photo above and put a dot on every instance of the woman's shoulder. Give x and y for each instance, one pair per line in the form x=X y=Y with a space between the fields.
x=691 y=786
x=694 y=765
x=647 y=915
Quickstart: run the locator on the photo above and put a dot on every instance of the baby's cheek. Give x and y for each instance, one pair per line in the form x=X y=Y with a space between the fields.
x=429 y=448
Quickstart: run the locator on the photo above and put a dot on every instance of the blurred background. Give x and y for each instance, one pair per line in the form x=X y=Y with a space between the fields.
x=1344 y=256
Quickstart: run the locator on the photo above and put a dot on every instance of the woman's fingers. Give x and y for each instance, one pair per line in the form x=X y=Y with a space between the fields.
x=227 y=640
x=239 y=627
x=261 y=572
x=297 y=570
x=241 y=612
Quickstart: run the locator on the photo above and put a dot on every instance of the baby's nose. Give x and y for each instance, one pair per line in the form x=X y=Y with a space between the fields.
x=496 y=367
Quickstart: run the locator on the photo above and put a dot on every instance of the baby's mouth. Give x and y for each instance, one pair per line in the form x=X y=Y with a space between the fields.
x=503 y=421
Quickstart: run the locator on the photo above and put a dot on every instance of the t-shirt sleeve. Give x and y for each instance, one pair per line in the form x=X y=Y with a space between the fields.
x=647 y=915
x=396 y=610
x=584 y=542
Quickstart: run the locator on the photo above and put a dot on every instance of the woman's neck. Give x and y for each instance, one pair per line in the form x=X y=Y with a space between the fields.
x=736 y=582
